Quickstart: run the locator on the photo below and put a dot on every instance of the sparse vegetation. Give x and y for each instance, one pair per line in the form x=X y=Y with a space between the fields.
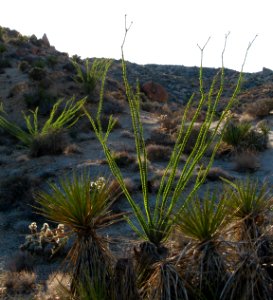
x=187 y=244
x=41 y=139
x=91 y=74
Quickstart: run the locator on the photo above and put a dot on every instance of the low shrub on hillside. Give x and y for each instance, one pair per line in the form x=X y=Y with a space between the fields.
x=260 y=108
x=242 y=137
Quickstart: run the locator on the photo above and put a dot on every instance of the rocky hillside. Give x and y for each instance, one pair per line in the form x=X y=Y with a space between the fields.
x=34 y=74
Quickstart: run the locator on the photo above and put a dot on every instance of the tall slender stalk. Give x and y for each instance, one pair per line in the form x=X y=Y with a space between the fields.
x=155 y=222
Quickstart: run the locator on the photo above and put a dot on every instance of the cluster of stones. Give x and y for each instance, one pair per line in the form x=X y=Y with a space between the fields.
x=47 y=242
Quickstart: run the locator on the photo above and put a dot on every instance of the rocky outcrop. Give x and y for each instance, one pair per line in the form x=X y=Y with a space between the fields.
x=155 y=91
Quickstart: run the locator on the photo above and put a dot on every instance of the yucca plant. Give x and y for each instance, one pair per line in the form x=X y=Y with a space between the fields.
x=83 y=207
x=60 y=118
x=203 y=221
x=91 y=74
x=235 y=133
x=248 y=203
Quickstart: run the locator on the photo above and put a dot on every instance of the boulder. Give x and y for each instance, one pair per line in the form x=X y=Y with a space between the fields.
x=45 y=40
x=154 y=91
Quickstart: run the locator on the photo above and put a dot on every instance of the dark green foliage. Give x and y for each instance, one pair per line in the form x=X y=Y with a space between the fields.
x=241 y=136
x=52 y=143
x=16 y=191
x=37 y=73
x=91 y=74
x=23 y=66
x=42 y=99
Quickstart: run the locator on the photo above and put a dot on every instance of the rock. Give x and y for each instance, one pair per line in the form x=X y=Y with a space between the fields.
x=45 y=40
x=155 y=91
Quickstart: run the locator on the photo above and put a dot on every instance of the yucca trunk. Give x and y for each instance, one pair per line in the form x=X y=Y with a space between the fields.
x=91 y=261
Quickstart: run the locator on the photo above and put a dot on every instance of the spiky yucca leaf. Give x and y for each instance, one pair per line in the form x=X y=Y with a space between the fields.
x=74 y=203
x=203 y=220
x=247 y=198
x=84 y=207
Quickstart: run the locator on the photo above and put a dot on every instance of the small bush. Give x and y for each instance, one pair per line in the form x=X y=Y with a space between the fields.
x=124 y=159
x=246 y=162
x=90 y=75
x=260 y=108
x=40 y=98
x=18 y=283
x=242 y=137
x=37 y=74
x=158 y=152
x=235 y=132
x=23 y=66
x=2 y=48
x=161 y=137
x=52 y=61
x=217 y=173
x=16 y=190
x=52 y=143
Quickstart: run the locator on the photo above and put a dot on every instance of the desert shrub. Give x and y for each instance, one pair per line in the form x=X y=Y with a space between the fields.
x=90 y=75
x=18 y=283
x=37 y=73
x=2 y=49
x=51 y=143
x=242 y=137
x=234 y=133
x=52 y=61
x=246 y=162
x=112 y=106
x=254 y=141
x=15 y=191
x=158 y=152
x=216 y=173
x=39 y=63
x=36 y=136
x=161 y=137
x=260 y=108
x=23 y=66
x=57 y=287
x=40 y=98
x=124 y=159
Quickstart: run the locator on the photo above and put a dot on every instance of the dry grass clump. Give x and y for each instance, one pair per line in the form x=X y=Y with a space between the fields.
x=124 y=159
x=52 y=143
x=19 y=283
x=216 y=173
x=160 y=137
x=158 y=152
x=246 y=162
x=260 y=108
x=57 y=287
